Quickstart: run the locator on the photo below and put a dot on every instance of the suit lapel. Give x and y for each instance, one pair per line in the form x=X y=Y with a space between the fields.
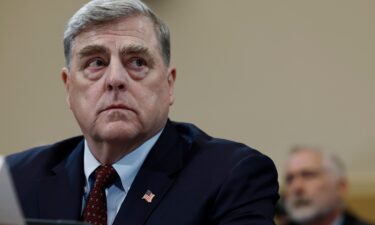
x=157 y=175
x=135 y=210
x=60 y=193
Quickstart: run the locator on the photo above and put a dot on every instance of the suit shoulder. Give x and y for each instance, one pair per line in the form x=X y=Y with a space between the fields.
x=42 y=155
x=236 y=180
x=217 y=149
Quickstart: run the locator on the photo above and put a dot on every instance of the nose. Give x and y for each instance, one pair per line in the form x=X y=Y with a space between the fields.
x=116 y=77
x=297 y=185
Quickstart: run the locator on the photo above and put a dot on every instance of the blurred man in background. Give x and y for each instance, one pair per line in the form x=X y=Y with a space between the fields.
x=315 y=185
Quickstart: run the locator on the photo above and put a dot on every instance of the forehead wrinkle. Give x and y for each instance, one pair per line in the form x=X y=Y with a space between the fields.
x=302 y=161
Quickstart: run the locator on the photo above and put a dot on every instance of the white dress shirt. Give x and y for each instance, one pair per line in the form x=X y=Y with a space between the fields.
x=127 y=168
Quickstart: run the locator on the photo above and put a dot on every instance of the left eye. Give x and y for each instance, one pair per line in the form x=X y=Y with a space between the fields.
x=96 y=63
x=138 y=63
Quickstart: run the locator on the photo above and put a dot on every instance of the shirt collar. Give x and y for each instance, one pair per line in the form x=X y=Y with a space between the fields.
x=127 y=167
x=339 y=220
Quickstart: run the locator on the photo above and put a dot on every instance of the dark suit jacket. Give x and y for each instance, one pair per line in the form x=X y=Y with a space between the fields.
x=196 y=179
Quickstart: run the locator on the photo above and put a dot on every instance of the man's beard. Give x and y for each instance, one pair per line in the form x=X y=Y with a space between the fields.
x=303 y=210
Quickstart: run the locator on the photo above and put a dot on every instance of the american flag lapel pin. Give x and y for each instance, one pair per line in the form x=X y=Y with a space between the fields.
x=148 y=196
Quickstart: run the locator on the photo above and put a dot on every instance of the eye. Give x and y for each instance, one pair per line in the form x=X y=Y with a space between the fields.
x=309 y=175
x=96 y=63
x=93 y=69
x=289 y=178
x=138 y=64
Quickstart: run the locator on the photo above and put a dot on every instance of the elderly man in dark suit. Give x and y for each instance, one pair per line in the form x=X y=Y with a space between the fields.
x=315 y=185
x=134 y=166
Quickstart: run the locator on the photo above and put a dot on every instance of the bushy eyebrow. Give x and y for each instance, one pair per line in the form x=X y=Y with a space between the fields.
x=138 y=50
x=135 y=49
x=92 y=49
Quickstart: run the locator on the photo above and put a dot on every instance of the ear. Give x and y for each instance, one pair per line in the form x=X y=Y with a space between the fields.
x=343 y=187
x=171 y=79
x=65 y=76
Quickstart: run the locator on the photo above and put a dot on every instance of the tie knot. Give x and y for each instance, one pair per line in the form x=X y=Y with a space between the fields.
x=105 y=176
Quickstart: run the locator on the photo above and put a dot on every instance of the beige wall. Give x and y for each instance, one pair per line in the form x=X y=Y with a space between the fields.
x=268 y=73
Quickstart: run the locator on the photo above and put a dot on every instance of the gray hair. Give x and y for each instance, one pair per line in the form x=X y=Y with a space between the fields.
x=99 y=12
x=331 y=162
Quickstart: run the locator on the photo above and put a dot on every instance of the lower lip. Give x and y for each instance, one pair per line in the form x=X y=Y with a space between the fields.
x=112 y=111
x=118 y=109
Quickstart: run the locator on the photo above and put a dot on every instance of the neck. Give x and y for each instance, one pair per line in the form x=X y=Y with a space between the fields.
x=109 y=152
x=328 y=219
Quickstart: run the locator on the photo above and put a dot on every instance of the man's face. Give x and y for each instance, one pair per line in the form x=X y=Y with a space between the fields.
x=118 y=86
x=311 y=190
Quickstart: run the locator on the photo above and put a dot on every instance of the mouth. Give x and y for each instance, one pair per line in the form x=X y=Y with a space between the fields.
x=114 y=107
x=302 y=203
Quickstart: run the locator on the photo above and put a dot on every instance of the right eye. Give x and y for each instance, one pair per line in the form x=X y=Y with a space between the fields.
x=94 y=68
x=289 y=178
x=96 y=63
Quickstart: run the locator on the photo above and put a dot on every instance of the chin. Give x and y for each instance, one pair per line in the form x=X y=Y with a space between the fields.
x=304 y=214
x=118 y=131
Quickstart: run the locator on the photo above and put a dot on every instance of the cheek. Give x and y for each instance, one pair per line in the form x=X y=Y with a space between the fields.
x=153 y=93
x=84 y=96
x=320 y=189
x=288 y=193
x=331 y=189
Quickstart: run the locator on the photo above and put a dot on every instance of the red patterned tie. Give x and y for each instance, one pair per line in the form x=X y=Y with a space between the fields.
x=95 y=212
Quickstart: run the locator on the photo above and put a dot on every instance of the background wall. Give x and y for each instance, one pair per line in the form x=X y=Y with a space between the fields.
x=267 y=73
